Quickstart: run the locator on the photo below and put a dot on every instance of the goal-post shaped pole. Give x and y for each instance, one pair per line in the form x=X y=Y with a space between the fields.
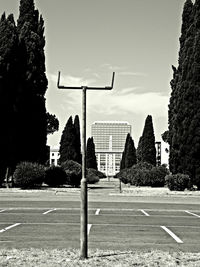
x=84 y=197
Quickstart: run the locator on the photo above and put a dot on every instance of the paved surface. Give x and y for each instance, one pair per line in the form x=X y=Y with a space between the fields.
x=53 y=220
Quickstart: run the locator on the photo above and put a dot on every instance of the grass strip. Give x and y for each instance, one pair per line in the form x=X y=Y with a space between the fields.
x=70 y=258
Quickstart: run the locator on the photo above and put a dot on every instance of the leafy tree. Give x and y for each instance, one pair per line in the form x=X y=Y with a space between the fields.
x=184 y=107
x=146 y=147
x=165 y=136
x=52 y=123
x=91 y=161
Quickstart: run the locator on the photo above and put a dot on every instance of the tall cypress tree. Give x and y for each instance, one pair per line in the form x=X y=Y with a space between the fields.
x=67 y=142
x=78 y=139
x=146 y=147
x=8 y=81
x=91 y=161
x=30 y=105
x=184 y=108
x=129 y=154
x=122 y=163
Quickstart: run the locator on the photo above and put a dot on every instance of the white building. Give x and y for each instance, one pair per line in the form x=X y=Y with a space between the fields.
x=54 y=156
x=109 y=138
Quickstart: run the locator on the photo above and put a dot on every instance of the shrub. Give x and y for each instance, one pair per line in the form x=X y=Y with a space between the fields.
x=158 y=174
x=101 y=175
x=177 y=182
x=55 y=176
x=144 y=174
x=73 y=172
x=92 y=176
x=138 y=174
x=28 y=175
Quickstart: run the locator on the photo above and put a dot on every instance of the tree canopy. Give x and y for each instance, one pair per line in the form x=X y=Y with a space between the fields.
x=146 y=151
x=184 y=107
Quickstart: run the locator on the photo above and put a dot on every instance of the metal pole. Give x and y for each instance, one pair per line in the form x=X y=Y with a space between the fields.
x=84 y=211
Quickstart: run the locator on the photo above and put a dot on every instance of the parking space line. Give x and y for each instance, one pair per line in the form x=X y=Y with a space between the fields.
x=175 y=237
x=97 y=212
x=48 y=211
x=2 y=210
x=191 y=213
x=9 y=227
x=145 y=213
x=89 y=228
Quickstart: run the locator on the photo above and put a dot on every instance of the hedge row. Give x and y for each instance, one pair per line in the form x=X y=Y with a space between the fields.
x=32 y=175
x=145 y=174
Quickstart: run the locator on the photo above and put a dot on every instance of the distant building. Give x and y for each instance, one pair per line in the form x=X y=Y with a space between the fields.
x=54 y=156
x=109 y=138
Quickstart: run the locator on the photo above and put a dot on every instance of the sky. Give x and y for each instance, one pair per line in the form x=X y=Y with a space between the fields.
x=89 y=39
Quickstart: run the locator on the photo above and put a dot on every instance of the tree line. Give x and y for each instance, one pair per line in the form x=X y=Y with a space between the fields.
x=146 y=151
x=184 y=107
x=70 y=145
x=23 y=84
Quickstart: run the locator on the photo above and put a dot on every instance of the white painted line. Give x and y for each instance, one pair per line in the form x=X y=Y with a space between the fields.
x=145 y=213
x=192 y=213
x=89 y=228
x=2 y=210
x=97 y=212
x=9 y=227
x=178 y=240
x=48 y=211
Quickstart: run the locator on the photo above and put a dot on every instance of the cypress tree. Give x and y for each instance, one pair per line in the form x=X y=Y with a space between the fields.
x=67 y=142
x=129 y=154
x=146 y=147
x=139 y=150
x=91 y=161
x=122 y=163
x=78 y=139
x=8 y=81
x=184 y=107
x=30 y=105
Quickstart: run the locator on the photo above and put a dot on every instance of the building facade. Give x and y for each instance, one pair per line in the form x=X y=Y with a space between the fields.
x=54 y=156
x=109 y=138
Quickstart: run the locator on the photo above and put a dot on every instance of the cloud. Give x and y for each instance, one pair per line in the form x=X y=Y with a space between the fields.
x=111 y=103
x=69 y=80
x=131 y=73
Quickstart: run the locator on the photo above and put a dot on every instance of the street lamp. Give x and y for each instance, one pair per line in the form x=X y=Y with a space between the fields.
x=84 y=205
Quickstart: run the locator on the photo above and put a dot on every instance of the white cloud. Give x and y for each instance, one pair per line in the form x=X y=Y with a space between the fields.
x=69 y=80
x=131 y=73
x=111 y=103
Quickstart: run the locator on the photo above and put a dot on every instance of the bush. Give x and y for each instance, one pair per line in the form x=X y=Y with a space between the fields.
x=29 y=175
x=73 y=172
x=92 y=176
x=138 y=174
x=55 y=176
x=158 y=174
x=177 y=182
x=143 y=174
x=101 y=175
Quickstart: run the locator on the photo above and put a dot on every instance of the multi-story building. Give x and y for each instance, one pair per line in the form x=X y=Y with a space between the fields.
x=54 y=156
x=109 y=138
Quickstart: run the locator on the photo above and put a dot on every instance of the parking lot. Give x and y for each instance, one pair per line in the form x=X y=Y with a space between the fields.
x=111 y=225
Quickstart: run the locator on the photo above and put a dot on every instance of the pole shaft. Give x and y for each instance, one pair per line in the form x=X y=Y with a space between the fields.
x=84 y=212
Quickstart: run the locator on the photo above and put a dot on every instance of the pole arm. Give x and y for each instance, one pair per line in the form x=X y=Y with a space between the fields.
x=87 y=87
